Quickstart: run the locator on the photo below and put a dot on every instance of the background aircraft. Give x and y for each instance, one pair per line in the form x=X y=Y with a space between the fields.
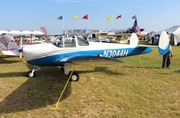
x=20 y=32
x=134 y=29
x=121 y=36
x=65 y=50
x=8 y=46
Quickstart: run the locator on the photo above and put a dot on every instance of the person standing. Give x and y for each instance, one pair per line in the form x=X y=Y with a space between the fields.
x=167 y=58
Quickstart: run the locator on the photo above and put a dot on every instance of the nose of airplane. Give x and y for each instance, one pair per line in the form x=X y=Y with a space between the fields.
x=35 y=51
x=30 y=52
x=26 y=52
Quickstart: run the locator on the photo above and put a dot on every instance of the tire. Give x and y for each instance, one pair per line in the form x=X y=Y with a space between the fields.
x=74 y=77
x=31 y=75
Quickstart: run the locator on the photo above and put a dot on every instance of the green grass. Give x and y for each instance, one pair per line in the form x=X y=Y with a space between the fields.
x=106 y=89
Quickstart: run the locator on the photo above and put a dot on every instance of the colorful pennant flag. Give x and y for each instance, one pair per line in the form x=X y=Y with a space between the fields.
x=118 y=17
x=60 y=18
x=109 y=18
x=134 y=17
x=85 y=17
x=75 y=17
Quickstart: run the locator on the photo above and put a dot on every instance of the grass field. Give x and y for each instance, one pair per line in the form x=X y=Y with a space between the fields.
x=106 y=89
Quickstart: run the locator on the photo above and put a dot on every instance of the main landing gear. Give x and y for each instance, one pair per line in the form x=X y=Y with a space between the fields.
x=74 y=76
x=32 y=72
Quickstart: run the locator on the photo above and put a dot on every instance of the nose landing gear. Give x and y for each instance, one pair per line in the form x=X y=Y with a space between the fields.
x=32 y=73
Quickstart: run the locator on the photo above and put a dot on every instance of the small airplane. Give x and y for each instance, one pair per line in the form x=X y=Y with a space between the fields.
x=8 y=46
x=65 y=50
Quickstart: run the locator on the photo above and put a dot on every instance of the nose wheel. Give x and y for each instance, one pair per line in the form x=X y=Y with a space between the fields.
x=32 y=72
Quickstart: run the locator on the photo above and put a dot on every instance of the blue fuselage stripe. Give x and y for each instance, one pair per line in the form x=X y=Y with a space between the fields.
x=59 y=59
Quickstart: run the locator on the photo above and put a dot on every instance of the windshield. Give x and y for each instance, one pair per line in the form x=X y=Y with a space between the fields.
x=58 y=42
x=70 y=41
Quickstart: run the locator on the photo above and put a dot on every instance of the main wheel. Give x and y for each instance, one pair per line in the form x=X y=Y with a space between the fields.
x=74 y=77
x=30 y=74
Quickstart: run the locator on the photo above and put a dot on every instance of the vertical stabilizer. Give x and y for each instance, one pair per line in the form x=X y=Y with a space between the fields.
x=164 y=44
x=135 y=24
x=134 y=27
x=134 y=40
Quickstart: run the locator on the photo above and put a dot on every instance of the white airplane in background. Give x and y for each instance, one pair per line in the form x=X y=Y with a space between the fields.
x=20 y=32
x=8 y=46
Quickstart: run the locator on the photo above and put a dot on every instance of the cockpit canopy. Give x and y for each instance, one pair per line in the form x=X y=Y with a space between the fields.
x=74 y=41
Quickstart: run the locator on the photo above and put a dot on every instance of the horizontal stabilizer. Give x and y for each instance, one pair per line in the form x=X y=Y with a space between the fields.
x=11 y=52
x=164 y=44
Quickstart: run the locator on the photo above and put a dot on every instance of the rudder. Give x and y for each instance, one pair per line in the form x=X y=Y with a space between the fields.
x=134 y=40
x=164 y=44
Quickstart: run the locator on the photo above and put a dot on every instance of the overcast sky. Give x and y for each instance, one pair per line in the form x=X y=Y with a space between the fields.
x=32 y=14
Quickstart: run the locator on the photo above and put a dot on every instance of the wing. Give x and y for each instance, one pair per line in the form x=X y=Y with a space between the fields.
x=20 y=32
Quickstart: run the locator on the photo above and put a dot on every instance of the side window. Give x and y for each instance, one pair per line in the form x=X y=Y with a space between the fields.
x=73 y=43
x=69 y=42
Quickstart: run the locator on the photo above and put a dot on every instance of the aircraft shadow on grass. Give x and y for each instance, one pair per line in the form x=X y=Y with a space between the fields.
x=4 y=60
x=101 y=70
x=41 y=91
x=178 y=71
x=142 y=67
x=35 y=92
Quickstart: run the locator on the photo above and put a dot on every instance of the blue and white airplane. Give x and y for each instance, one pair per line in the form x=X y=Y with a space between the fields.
x=64 y=50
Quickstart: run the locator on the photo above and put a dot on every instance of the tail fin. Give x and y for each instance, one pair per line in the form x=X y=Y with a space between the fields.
x=164 y=44
x=135 y=23
x=136 y=27
x=134 y=40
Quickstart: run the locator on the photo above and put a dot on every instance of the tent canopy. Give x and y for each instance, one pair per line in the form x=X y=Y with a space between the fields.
x=176 y=31
x=173 y=29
